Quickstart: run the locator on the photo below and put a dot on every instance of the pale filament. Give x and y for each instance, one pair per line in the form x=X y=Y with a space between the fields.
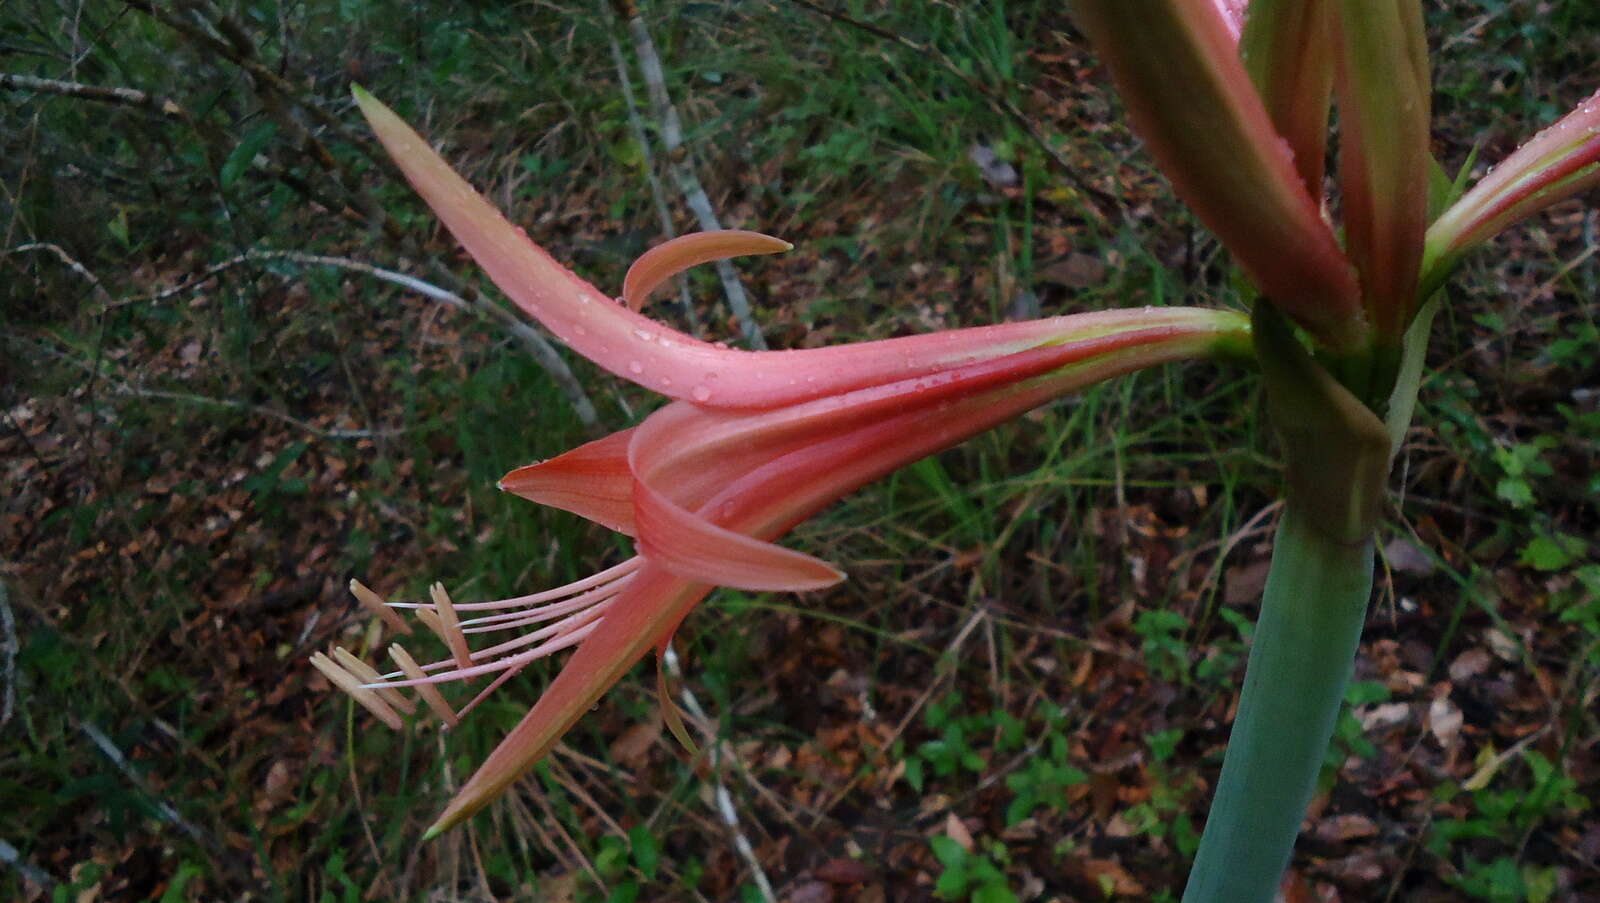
x=574 y=611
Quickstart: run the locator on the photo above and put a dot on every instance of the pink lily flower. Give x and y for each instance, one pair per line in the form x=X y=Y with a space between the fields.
x=754 y=444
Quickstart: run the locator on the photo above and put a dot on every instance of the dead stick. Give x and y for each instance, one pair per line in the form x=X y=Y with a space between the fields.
x=671 y=129
x=657 y=194
x=107 y=94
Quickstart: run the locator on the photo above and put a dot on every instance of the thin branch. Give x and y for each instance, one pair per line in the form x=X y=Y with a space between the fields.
x=724 y=800
x=671 y=131
x=1095 y=201
x=257 y=70
x=31 y=873
x=171 y=814
x=9 y=647
x=533 y=342
x=126 y=96
x=658 y=195
x=206 y=400
x=71 y=264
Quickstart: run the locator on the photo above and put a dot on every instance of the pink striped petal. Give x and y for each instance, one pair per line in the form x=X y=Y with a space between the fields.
x=1556 y=164
x=655 y=356
x=694 y=548
x=591 y=481
x=1190 y=99
x=672 y=257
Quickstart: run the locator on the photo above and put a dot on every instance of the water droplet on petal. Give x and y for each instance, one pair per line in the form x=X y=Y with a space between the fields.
x=644 y=336
x=701 y=393
x=635 y=367
x=580 y=331
x=666 y=382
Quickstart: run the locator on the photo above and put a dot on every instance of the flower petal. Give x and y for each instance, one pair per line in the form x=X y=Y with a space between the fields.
x=694 y=548
x=667 y=361
x=1384 y=161
x=651 y=608
x=1190 y=99
x=672 y=257
x=591 y=481
x=768 y=500
x=1557 y=163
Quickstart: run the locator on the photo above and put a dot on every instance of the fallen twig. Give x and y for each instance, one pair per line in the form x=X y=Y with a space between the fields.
x=171 y=814
x=724 y=800
x=71 y=264
x=126 y=96
x=657 y=194
x=671 y=131
x=29 y=872
x=9 y=647
x=533 y=342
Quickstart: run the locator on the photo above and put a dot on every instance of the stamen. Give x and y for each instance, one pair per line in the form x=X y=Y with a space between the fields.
x=369 y=676
x=515 y=664
x=450 y=626
x=561 y=592
x=374 y=603
x=430 y=619
x=430 y=694
x=348 y=682
x=546 y=612
x=559 y=636
x=495 y=684
x=573 y=611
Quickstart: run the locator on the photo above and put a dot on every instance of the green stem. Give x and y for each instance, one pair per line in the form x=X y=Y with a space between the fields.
x=1300 y=662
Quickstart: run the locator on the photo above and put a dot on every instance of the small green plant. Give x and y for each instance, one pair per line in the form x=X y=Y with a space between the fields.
x=1164 y=814
x=952 y=752
x=1166 y=652
x=971 y=875
x=1044 y=780
x=1506 y=816
x=621 y=863
x=1521 y=465
x=1349 y=737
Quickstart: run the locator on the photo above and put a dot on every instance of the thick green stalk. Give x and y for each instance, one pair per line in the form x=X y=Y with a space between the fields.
x=1300 y=662
x=1337 y=454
